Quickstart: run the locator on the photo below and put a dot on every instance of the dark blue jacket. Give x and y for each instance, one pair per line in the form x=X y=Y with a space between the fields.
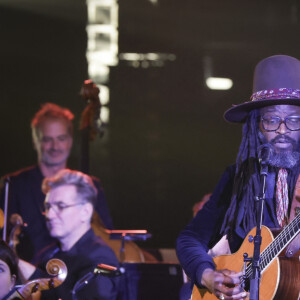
x=203 y=232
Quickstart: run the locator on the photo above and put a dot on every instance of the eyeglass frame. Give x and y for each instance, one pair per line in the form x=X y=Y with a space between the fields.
x=282 y=120
x=59 y=210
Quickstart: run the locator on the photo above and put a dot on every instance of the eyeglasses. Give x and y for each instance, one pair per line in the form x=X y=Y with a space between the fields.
x=59 y=207
x=270 y=123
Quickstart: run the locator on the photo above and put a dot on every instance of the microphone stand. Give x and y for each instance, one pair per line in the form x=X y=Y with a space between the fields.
x=259 y=204
x=101 y=269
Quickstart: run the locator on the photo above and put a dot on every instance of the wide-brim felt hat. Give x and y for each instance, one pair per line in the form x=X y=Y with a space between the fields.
x=276 y=81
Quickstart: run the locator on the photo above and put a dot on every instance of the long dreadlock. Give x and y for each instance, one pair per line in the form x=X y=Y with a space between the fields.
x=247 y=179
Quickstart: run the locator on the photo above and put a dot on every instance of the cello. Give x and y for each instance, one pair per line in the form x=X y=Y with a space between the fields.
x=55 y=268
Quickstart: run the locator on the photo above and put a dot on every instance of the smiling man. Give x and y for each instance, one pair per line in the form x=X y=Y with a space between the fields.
x=271 y=119
x=52 y=134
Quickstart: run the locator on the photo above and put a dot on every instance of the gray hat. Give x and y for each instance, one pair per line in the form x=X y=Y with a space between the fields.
x=276 y=81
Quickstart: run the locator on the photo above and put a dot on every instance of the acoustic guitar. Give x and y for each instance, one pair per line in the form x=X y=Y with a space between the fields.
x=280 y=279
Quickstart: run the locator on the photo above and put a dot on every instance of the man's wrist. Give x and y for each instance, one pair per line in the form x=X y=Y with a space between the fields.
x=199 y=273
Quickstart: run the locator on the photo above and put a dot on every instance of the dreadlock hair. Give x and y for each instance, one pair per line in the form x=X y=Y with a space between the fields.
x=246 y=179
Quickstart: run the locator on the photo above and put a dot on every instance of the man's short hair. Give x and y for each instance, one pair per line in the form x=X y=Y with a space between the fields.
x=83 y=183
x=51 y=111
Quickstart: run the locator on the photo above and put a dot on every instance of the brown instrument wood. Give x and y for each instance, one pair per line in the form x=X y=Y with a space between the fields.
x=90 y=123
x=1 y=218
x=274 y=275
x=133 y=253
x=89 y=127
x=54 y=267
x=289 y=279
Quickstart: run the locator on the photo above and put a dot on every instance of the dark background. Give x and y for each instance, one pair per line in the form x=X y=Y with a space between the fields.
x=166 y=144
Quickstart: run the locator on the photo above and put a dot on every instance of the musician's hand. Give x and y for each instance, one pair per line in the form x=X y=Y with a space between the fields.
x=224 y=284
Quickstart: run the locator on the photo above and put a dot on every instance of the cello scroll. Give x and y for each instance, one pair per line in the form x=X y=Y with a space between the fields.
x=54 y=267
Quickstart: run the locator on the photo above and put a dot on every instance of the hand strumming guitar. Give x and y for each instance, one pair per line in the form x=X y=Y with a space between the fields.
x=224 y=284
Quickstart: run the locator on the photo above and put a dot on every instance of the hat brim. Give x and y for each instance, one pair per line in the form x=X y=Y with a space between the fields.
x=239 y=113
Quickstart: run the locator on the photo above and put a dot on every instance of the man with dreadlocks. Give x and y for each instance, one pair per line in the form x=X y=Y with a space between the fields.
x=271 y=118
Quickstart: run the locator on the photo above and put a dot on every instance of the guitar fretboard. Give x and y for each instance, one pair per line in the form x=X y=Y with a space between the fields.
x=278 y=244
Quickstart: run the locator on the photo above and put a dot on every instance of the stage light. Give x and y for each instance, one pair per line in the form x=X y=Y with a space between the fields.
x=219 y=83
x=104 y=114
x=104 y=94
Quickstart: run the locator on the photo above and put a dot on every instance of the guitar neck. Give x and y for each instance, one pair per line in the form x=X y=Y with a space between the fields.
x=280 y=242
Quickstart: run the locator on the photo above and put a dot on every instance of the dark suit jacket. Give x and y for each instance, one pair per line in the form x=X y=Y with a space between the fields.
x=81 y=259
x=26 y=199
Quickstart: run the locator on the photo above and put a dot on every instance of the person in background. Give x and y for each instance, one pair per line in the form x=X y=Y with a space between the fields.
x=8 y=270
x=52 y=134
x=198 y=205
x=69 y=204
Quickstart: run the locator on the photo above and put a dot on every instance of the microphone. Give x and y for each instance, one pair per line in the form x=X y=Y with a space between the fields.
x=265 y=153
x=108 y=270
x=101 y=269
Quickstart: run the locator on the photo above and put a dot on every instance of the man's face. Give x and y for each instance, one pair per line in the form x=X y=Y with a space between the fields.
x=282 y=139
x=54 y=142
x=63 y=212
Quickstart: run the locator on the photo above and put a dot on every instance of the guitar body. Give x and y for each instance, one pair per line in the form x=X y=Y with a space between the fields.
x=270 y=277
x=289 y=284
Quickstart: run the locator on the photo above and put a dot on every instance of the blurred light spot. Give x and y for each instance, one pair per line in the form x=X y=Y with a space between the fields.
x=104 y=94
x=219 y=83
x=104 y=114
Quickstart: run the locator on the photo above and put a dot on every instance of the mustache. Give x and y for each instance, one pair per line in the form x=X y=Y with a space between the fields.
x=283 y=139
x=55 y=150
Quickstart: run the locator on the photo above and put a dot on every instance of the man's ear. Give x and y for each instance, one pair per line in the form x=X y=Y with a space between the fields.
x=34 y=143
x=86 y=212
x=35 y=137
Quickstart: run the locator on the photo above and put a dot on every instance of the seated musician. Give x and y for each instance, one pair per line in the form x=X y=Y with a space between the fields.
x=69 y=203
x=52 y=132
x=272 y=118
x=8 y=270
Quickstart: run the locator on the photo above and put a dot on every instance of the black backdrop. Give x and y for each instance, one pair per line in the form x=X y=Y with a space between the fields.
x=166 y=144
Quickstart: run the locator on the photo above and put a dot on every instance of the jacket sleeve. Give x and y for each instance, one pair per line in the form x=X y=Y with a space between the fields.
x=203 y=232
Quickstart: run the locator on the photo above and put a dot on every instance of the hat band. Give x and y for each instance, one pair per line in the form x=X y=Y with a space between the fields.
x=282 y=93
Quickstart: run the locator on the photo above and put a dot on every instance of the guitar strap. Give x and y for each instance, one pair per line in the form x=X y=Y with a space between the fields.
x=294 y=246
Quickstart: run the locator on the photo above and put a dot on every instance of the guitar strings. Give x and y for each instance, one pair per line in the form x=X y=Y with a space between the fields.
x=277 y=245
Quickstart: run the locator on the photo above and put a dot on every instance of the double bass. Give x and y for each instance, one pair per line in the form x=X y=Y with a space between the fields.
x=90 y=127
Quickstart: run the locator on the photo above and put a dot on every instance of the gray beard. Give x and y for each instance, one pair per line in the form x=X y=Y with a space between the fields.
x=286 y=160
